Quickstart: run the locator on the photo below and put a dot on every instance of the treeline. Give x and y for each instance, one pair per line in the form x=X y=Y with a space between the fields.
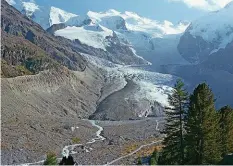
x=195 y=132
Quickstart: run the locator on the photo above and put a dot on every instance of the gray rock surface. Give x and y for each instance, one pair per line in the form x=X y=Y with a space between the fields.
x=38 y=112
x=195 y=49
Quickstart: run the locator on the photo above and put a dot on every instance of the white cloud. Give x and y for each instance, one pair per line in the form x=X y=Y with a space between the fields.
x=210 y=5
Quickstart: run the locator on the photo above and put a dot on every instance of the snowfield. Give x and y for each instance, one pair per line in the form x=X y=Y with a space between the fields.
x=134 y=22
x=58 y=16
x=46 y=16
x=86 y=36
x=157 y=39
x=138 y=32
x=220 y=33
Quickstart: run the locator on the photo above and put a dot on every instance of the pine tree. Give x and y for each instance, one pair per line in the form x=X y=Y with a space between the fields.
x=139 y=161
x=226 y=130
x=153 y=161
x=173 y=152
x=202 y=128
x=51 y=159
x=154 y=158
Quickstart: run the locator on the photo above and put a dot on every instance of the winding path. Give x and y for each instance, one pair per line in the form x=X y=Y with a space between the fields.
x=135 y=151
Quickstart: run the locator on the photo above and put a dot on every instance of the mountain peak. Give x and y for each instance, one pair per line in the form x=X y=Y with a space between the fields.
x=30 y=8
x=132 y=14
x=113 y=11
x=59 y=16
x=229 y=5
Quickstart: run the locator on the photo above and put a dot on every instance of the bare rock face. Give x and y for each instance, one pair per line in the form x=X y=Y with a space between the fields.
x=55 y=27
x=121 y=52
x=21 y=57
x=194 y=49
x=221 y=60
x=198 y=51
x=208 y=36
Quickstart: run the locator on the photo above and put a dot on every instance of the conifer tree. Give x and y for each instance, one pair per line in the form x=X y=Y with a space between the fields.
x=153 y=161
x=226 y=130
x=202 y=128
x=173 y=151
x=139 y=161
x=154 y=158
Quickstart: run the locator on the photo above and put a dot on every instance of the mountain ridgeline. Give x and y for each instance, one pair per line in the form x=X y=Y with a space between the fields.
x=183 y=49
x=59 y=68
x=60 y=50
x=49 y=83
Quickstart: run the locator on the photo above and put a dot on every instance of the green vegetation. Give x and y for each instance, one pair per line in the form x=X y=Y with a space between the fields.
x=202 y=128
x=139 y=161
x=76 y=140
x=153 y=161
x=22 y=58
x=23 y=70
x=51 y=159
x=226 y=130
x=173 y=152
x=154 y=158
x=196 y=133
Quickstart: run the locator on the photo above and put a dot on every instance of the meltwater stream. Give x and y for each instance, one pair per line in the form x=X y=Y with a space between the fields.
x=69 y=149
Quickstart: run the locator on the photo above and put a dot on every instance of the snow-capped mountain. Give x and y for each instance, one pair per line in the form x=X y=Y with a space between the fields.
x=144 y=36
x=208 y=45
x=203 y=49
x=147 y=37
x=46 y=16
x=208 y=35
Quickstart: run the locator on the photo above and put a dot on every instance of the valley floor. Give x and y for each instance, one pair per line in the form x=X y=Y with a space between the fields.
x=123 y=143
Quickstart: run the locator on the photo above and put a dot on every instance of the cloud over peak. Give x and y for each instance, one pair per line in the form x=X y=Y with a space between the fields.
x=209 y=5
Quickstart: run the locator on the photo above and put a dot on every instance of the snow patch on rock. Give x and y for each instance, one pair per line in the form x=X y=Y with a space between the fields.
x=92 y=38
x=216 y=27
x=58 y=16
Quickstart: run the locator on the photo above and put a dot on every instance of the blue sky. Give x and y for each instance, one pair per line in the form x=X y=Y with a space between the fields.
x=156 y=9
